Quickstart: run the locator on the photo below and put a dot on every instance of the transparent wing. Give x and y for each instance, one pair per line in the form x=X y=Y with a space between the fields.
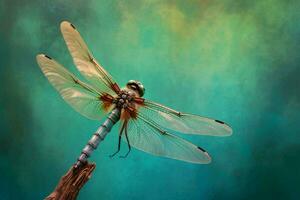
x=82 y=97
x=183 y=122
x=147 y=136
x=85 y=62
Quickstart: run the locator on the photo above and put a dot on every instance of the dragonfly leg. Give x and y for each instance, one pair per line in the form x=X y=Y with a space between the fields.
x=119 y=142
x=129 y=147
x=119 y=147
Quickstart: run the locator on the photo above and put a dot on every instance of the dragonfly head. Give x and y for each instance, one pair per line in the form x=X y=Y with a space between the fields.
x=136 y=86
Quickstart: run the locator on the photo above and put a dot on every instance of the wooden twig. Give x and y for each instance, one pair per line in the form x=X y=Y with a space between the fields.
x=70 y=184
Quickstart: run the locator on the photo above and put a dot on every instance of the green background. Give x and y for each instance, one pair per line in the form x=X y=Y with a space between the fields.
x=237 y=61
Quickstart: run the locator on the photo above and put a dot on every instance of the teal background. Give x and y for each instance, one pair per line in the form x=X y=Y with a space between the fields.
x=237 y=61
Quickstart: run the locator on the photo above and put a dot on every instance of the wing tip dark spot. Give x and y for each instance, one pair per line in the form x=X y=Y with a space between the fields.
x=220 y=122
x=73 y=26
x=201 y=149
x=48 y=57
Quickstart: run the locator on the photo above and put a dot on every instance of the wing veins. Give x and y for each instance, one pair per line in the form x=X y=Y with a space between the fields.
x=84 y=86
x=107 y=80
x=183 y=122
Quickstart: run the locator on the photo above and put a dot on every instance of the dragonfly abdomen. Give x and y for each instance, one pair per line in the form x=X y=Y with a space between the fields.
x=100 y=134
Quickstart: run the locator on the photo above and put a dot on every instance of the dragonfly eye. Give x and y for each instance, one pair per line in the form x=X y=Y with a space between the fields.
x=133 y=87
x=137 y=86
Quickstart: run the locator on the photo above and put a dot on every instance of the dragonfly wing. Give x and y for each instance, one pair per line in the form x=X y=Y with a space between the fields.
x=183 y=122
x=149 y=137
x=82 y=97
x=85 y=62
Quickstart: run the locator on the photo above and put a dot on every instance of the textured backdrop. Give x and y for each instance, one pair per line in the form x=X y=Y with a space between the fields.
x=237 y=61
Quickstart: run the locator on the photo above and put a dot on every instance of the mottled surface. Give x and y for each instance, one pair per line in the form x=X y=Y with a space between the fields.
x=237 y=61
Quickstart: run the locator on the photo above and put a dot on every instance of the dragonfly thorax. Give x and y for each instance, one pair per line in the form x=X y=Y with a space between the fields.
x=124 y=99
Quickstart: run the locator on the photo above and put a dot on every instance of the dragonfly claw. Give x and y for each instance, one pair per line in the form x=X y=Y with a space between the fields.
x=122 y=156
x=112 y=155
x=125 y=156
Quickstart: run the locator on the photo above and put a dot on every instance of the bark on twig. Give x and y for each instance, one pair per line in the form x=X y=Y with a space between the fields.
x=70 y=184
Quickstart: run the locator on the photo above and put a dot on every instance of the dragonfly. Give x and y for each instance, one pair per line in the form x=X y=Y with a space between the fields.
x=144 y=124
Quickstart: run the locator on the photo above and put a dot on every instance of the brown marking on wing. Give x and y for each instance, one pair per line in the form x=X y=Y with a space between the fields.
x=128 y=113
x=107 y=101
x=139 y=100
x=112 y=85
x=132 y=111
x=116 y=88
x=125 y=115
